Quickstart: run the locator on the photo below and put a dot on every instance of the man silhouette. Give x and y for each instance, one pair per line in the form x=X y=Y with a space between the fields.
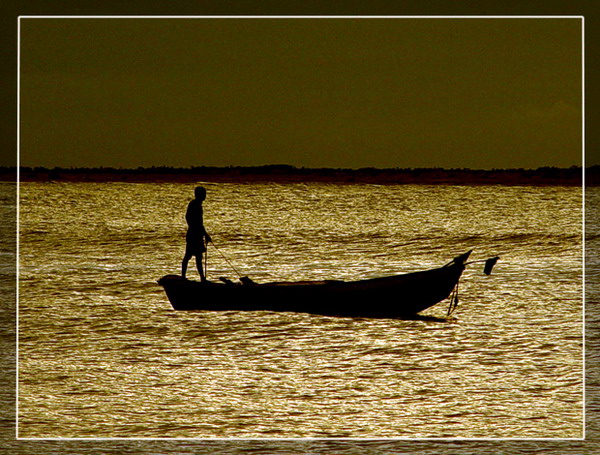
x=196 y=234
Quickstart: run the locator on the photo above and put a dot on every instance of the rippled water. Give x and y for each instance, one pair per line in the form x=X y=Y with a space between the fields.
x=102 y=354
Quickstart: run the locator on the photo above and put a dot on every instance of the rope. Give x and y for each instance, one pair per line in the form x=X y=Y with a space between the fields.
x=453 y=300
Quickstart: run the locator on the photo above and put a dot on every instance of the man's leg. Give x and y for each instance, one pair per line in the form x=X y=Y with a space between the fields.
x=184 y=264
x=199 y=266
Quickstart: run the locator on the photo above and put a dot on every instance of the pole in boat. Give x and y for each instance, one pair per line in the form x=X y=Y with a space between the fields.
x=206 y=259
x=224 y=257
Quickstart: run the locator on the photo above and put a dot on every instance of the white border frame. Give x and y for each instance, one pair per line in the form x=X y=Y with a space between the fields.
x=210 y=439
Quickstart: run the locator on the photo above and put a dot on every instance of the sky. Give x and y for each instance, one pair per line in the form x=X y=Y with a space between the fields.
x=391 y=92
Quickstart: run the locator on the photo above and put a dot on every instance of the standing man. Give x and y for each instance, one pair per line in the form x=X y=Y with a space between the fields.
x=196 y=234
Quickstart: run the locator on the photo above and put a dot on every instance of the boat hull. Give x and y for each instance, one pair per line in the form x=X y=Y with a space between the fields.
x=388 y=297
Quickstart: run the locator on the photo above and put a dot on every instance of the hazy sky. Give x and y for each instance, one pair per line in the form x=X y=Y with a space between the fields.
x=479 y=93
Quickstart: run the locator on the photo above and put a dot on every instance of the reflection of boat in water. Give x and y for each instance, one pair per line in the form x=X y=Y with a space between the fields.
x=387 y=297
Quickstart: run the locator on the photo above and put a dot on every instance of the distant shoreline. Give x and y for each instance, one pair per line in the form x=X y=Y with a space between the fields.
x=543 y=176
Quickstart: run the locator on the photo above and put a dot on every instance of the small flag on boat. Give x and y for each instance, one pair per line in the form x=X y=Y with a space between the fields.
x=489 y=265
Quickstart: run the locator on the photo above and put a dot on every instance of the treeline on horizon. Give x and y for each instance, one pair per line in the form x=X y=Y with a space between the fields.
x=287 y=168
x=284 y=172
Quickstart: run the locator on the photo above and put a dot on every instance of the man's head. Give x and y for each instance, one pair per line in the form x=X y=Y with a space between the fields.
x=200 y=193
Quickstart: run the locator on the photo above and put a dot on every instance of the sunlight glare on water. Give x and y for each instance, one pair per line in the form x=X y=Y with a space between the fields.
x=102 y=353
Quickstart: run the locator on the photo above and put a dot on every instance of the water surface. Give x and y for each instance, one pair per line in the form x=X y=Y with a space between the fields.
x=102 y=354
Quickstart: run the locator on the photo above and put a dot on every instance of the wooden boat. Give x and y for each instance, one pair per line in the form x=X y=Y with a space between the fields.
x=388 y=297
